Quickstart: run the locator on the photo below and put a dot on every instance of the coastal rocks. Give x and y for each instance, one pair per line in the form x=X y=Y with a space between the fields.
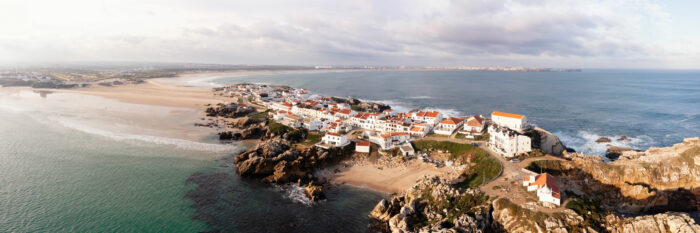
x=658 y=223
x=659 y=179
x=509 y=217
x=603 y=140
x=545 y=141
x=615 y=152
x=314 y=192
x=275 y=161
x=433 y=205
x=231 y=110
x=623 y=138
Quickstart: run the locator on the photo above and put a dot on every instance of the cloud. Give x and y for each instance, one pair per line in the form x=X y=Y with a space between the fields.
x=443 y=32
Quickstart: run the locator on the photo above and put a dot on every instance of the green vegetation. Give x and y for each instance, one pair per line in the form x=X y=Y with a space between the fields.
x=531 y=154
x=484 y=137
x=294 y=135
x=313 y=138
x=356 y=108
x=260 y=115
x=460 y=136
x=589 y=208
x=521 y=213
x=482 y=167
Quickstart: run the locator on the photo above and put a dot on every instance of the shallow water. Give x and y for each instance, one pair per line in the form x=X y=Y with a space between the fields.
x=652 y=108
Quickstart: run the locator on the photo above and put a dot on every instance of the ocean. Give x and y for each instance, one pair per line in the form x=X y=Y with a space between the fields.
x=650 y=107
x=65 y=168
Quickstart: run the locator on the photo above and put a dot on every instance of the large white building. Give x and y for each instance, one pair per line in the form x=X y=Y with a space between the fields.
x=546 y=186
x=508 y=142
x=512 y=121
x=474 y=126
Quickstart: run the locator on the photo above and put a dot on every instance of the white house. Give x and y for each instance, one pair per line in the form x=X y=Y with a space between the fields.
x=512 y=121
x=362 y=146
x=474 y=126
x=419 y=130
x=546 y=186
x=508 y=142
x=312 y=125
x=334 y=140
x=389 y=140
x=407 y=150
x=428 y=117
x=449 y=125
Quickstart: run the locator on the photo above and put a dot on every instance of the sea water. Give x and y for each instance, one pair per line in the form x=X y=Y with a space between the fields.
x=66 y=171
x=650 y=107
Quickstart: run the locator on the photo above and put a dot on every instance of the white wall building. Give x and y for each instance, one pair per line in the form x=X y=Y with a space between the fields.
x=546 y=186
x=508 y=142
x=473 y=126
x=449 y=125
x=512 y=121
x=362 y=146
x=335 y=139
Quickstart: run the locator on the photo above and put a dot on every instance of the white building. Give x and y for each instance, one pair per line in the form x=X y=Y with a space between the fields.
x=407 y=150
x=546 y=186
x=388 y=140
x=334 y=140
x=474 y=126
x=512 y=121
x=449 y=125
x=428 y=117
x=312 y=125
x=362 y=146
x=508 y=142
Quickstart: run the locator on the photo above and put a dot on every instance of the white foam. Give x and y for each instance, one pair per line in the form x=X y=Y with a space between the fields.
x=584 y=142
x=293 y=192
x=420 y=97
x=447 y=112
x=178 y=143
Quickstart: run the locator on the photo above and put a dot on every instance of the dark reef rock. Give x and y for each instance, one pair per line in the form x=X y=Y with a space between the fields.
x=615 y=152
x=603 y=140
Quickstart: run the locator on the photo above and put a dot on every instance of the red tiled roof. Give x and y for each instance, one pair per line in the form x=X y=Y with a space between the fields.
x=432 y=114
x=546 y=180
x=362 y=143
x=345 y=111
x=333 y=134
x=509 y=115
x=475 y=121
x=452 y=120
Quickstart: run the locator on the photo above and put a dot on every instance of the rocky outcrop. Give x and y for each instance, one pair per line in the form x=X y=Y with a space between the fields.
x=658 y=223
x=361 y=106
x=659 y=179
x=603 y=140
x=509 y=217
x=231 y=110
x=314 y=192
x=275 y=161
x=433 y=205
x=545 y=141
x=615 y=152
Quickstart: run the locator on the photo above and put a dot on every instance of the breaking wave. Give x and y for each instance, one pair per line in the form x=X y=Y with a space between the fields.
x=584 y=142
x=293 y=192
x=447 y=112
x=178 y=143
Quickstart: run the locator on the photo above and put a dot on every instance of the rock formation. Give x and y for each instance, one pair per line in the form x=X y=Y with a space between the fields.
x=658 y=179
x=545 y=141
x=603 y=140
x=615 y=152
x=433 y=205
x=231 y=110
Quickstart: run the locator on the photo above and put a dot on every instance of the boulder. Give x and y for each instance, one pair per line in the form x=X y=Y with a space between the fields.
x=603 y=140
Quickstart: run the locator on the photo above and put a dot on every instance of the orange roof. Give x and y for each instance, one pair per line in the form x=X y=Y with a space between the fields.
x=509 y=115
x=475 y=121
x=362 y=143
x=432 y=114
x=417 y=129
x=452 y=120
x=345 y=111
x=333 y=134
x=399 y=134
x=546 y=180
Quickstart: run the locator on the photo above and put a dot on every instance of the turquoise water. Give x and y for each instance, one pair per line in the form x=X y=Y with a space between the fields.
x=653 y=108
x=59 y=173
x=54 y=179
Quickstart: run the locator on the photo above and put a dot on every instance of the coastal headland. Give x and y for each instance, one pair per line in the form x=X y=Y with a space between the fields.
x=435 y=182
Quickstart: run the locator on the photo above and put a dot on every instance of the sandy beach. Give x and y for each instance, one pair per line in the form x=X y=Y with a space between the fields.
x=387 y=180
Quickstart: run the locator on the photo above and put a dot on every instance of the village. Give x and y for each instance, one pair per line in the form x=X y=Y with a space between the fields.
x=341 y=124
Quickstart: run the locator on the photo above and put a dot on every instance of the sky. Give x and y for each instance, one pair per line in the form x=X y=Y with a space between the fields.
x=622 y=34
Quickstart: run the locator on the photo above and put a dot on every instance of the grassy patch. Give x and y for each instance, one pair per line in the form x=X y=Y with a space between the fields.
x=484 y=137
x=482 y=166
x=260 y=115
x=313 y=138
x=294 y=135
x=456 y=206
x=531 y=154
x=519 y=212
x=588 y=208
x=460 y=136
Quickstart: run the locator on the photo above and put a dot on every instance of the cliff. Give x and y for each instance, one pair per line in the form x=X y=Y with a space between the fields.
x=658 y=179
x=545 y=141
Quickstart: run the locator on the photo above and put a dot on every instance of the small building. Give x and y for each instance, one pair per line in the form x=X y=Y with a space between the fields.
x=510 y=120
x=407 y=150
x=508 y=142
x=362 y=146
x=546 y=186
x=334 y=140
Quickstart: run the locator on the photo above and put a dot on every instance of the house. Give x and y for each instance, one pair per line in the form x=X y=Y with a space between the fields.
x=513 y=121
x=428 y=117
x=344 y=113
x=419 y=130
x=546 y=186
x=389 y=140
x=449 y=125
x=474 y=126
x=508 y=142
x=334 y=140
x=311 y=124
x=406 y=149
x=362 y=146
